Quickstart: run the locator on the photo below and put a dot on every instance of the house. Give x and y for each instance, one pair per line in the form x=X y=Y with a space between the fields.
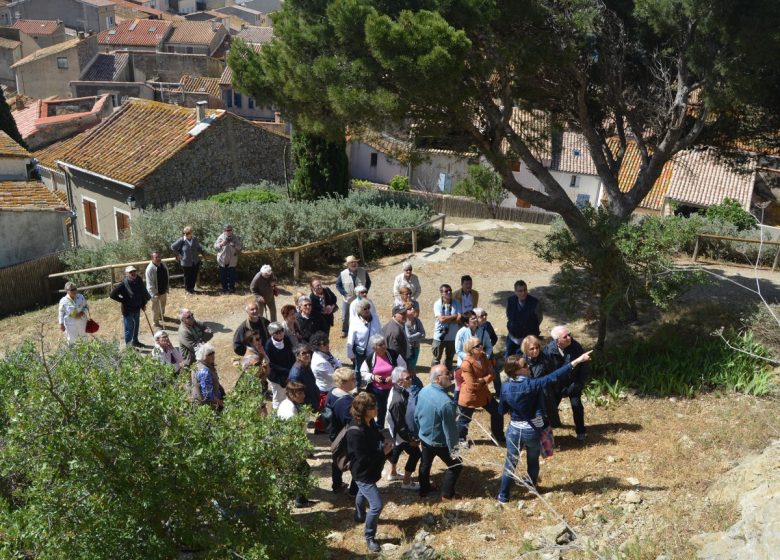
x=241 y=104
x=183 y=6
x=47 y=72
x=14 y=159
x=111 y=74
x=43 y=122
x=247 y=15
x=32 y=222
x=149 y=154
x=38 y=34
x=256 y=35
x=10 y=54
x=136 y=34
x=264 y=6
x=82 y=15
x=124 y=9
x=197 y=37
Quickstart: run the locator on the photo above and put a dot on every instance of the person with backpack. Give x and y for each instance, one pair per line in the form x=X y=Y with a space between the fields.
x=404 y=434
x=367 y=450
x=335 y=416
x=379 y=368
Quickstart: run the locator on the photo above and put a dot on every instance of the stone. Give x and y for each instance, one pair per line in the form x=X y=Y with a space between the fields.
x=632 y=481
x=631 y=497
x=389 y=547
x=335 y=536
x=611 y=459
x=489 y=537
x=558 y=534
x=579 y=513
x=421 y=536
x=420 y=551
x=631 y=508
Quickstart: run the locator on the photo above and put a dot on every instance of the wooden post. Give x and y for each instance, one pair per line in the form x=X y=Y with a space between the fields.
x=443 y=216
x=360 y=248
x=113 y=276
x=696 y=249
x=777 y=258
x=414 y=241
x=296 y=265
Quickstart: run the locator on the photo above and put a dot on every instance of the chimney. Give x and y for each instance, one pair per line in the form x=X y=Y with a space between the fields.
x=278 y=117
x=200 y=110
x=80 y=34
x=19 y=103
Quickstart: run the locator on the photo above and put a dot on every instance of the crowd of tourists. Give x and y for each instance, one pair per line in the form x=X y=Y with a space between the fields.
x=375 y=409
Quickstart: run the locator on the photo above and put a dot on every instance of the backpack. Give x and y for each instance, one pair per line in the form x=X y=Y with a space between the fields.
x=327 y=413
x=338 y=448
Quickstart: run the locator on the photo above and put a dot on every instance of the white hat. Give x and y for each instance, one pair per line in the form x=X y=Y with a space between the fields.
x=351 y=258
x=159 y=334
x=361 y=289
x=266 y=269
x=130 y=268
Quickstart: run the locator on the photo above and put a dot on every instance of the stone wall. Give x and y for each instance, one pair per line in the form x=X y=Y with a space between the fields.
x=170 y=67
x=72 y=13
x=28 y=234
x=119 y=90
x=231 y=152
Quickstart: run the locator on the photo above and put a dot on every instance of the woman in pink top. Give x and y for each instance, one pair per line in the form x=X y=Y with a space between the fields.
x=379 y=368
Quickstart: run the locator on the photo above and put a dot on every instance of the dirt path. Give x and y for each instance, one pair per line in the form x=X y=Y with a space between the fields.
x=639 y=483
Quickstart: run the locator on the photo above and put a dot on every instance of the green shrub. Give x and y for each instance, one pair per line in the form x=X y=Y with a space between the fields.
x=483 y=185
x=399 y=183
x=730 y=211
x=321 y=167
x=678 y=359
x=102 y=457
x=261 y=194
x=361 y=184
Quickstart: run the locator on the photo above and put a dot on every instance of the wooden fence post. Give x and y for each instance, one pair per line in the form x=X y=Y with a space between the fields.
x=296 y=265
x=414 y=241
x=696 y=249
x=443 y=216
x=360 y=248
x=777 y=258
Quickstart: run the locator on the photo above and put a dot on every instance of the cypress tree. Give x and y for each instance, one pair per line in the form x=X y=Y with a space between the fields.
x=321 y=167
x=8 y=124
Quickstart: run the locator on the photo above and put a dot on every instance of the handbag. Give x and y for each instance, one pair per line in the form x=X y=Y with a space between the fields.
x=92 y=326
x=547 y=442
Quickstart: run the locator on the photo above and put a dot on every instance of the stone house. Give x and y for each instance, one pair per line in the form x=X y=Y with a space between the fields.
x=14 y=159
x=135 y=34
x=197 y=37
x=39 y=34
x=82 y=15
x=47 y=72
x=149 y=154
x=10 y=54
x=241 y=104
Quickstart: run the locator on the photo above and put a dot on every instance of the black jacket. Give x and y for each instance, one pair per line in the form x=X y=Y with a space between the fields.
x=317 y=306
x=522 y=322
x=396 y=408
x=365 y=452
x=131 y=294
x=243 y=329
x=310 y=325
x=341 y=405
x=280 y=361
x=555 y=360
x=303 y=374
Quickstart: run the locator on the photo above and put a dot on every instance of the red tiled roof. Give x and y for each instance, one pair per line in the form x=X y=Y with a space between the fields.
x=25 y=118
x=36 y=115
x=535 y=128
x=9 y=43
x=256 y=35
x=573 y=155
x=137 y=33
x=138 y=8
x=629 y=171
x=37 y=26
x=700 y=178
x=226 y=79
x=48 y=156
x=9 y=147
x=28 y=195
x=134 y=141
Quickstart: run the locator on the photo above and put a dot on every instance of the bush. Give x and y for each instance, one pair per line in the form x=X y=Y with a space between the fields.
x=321 y=167
x=261 y=193
x=399 y=183
x=103 y=458
x=730 y=211
x=266 y=226
x=361 y=184
x=483 y=185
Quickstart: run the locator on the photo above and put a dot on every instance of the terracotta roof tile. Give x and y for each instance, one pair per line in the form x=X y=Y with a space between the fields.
x=25 y=118
x=9 y=43
x=535 y=127
x=629 y=171
x=226 y=79
x=193 y=32
x=28 y=195
x=573 y=155
x=48 y=156
x=199 y=84
x=138 y=8
x=9 y=147
x=136 y=33
x=37 y=26
x=134 y=141
x=48 y=51
x=699 y=178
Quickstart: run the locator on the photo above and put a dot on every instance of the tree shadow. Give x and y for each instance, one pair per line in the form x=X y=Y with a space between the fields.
x=600 y=485
x=598 y=434
x=217 y=327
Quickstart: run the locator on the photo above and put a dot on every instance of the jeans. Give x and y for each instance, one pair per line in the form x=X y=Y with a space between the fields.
x=516 y=439
x=227 y=276
x=443 y=349
x=359 y=359
x=368 y=492
x=381 y=403
x=190 y=277
x=345 y=317
x=577 y=411
x=414 y=455
x=132 y=323
x=411 y=361
x=454 y=467
x=512 y=348
x=496 y=420
x=337 y=479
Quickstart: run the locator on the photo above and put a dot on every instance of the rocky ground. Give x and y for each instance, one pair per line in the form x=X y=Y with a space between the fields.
x=644 y=484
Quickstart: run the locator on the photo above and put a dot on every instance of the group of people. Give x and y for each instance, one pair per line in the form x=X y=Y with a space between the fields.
x=378 y=401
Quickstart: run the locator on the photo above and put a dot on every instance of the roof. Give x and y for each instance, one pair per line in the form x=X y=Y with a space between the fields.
x=194 y=32
x=245 y=14
x=535 y=128
x=573 y=155
x=97 y=3
x=38 y=26
x=138 y=8
x=28 y=195
x=48 y=51
x=264 y=6
x=629 y=171
x=134 y=141
x=47 y=157
x=136 y=33
x=10 y=148
x=106 y=67
x=9 y=43
x=200 y=84
x=700 y=178
x=226 y=79
x=256 y=35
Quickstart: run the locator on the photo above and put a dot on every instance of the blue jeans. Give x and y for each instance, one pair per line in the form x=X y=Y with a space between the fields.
x=227 y=276
x=132 y=324
x=516 y=439
x=512 y=348
x=359 y=359
x=368 y=492
x=411 y=362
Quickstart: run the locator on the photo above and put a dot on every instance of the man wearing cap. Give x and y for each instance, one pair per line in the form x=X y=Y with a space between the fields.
x=228 y=247
x=132 y=294
x=395 y=331
x=263 y=287
x=157 y=280
x=347 y=280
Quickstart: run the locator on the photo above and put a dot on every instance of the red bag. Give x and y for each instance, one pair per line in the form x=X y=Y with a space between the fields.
x=547 y=442
x=92 y=326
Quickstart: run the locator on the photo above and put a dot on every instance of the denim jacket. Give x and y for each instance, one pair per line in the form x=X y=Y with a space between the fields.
x=434 y=417
x=523 y=397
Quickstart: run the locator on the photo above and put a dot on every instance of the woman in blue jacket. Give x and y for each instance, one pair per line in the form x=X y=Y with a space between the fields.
x=523 y=397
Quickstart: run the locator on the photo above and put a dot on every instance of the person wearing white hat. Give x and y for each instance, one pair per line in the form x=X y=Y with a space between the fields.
x=263 y=287
x=132 y=294
x=346 y=282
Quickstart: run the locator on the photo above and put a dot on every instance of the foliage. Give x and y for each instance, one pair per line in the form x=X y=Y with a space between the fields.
x=399 y=183
x=262 y=226
x=261 y=193
x=361 y=184
x=484 y=185
x=731 y=211
x=678 y=359
x=602 y=392
x=103 y=458
x=321 y=167
x=8 y=123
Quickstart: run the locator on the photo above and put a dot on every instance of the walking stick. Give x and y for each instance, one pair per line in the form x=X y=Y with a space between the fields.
x=148 y=322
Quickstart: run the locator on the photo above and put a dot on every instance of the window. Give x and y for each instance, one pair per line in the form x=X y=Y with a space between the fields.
x=90 y=216
x=171 y=48
x=516 y=166
x=227 y=95
x=582 y=200
x=62 y=62
x=110 y=22
x=374 y=159
x=190 y=50
x=574 y=182
x=237 y=99
x=250 y=102
x=122 y=220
